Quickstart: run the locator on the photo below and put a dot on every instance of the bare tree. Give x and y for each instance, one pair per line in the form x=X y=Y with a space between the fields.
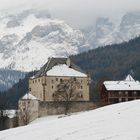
x=67 y=91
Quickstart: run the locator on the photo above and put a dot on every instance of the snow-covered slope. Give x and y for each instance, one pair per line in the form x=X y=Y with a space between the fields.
x=114 y=122
x=106 y=32
x=28 y=38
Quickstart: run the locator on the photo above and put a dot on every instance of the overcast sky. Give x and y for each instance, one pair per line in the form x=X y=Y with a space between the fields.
x=78 y=13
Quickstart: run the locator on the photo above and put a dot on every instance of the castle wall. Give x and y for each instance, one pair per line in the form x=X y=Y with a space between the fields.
x=55 y=108
x=30 y=110
x=44 y=87
x=36 y=87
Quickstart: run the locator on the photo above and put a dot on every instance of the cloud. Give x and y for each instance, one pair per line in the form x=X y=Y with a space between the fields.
x=77 y=12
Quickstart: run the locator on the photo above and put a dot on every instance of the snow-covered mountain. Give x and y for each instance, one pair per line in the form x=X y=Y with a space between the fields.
x=28 y=38
x=114 y=122
x=106 y=32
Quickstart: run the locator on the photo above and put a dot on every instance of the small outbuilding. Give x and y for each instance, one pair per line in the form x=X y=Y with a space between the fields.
x=120 y=91
x=28 y=109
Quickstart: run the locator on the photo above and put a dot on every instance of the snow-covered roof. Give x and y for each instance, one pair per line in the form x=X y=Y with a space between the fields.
x=64 y=70
x=54 y=62
x=29 y=96
x=129 y=78
x=128 y=84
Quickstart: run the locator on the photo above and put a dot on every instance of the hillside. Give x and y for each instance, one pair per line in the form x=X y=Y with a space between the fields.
x=114 y=122
x=112 y=62
x=9 y=98
x=9 y=77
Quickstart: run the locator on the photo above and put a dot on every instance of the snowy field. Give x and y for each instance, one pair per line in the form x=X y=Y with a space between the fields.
x=114 y=122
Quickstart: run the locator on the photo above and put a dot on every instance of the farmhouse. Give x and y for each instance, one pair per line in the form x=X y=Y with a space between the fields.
x=120 y=91
x=44 y=83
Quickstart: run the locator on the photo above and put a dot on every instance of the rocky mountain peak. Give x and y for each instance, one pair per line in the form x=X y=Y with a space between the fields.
x=31 y=36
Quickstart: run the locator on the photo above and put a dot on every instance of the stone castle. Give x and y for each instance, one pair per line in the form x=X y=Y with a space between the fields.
x=39 y=101
x=44 y=83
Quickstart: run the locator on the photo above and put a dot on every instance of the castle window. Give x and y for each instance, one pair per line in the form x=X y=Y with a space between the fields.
x=61 y=80
x=29 y=89
x=56 y=79
x=81 y=87
x=74 y=78
x=38 y=80
x=52 y=87
x=126 y=93
x=52 y=81
x=87 y=82
x=81 y=96
x=120 y=92
x=135 y=92
x=81 y=81
x=33 y=81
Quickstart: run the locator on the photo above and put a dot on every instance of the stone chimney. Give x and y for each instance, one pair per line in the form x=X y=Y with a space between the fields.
x=68 y=62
